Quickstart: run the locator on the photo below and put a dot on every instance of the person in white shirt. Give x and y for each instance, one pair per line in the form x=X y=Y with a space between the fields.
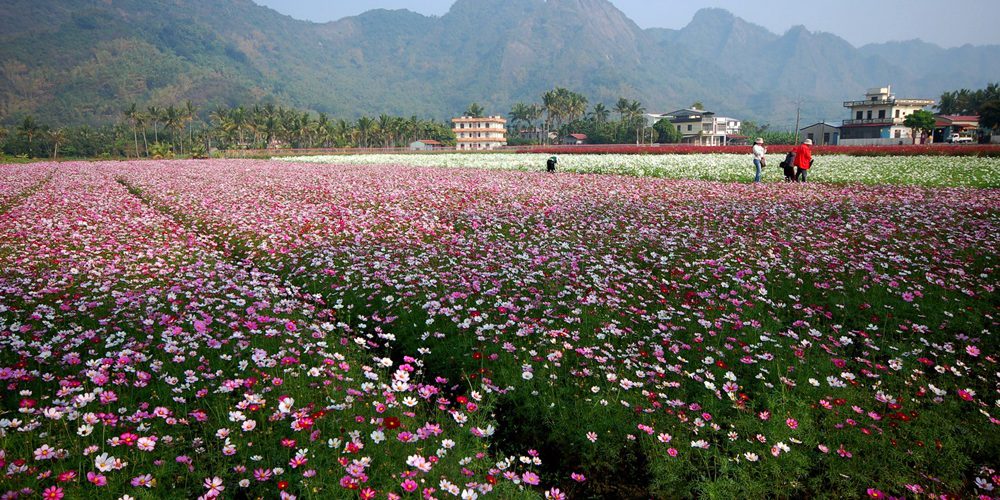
x=758 y=157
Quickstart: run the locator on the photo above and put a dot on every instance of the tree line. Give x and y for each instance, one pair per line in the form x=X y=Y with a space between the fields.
x=561 y=112
x=982 y=102
x=182 y=130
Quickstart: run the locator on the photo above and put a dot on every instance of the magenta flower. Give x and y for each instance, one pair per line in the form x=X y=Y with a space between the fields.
x=53 y=493
x=409 y=485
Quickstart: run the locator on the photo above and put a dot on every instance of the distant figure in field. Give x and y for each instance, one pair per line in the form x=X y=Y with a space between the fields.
x=550 y=166
x=758 y=158
x=803 y=160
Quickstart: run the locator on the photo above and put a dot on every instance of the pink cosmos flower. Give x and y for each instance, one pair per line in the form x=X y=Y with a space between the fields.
x=792 y=423
x=262 y=474
x=409 y=485
x=143 y=480
x=214 y=486
x=45 y=452
x=53 y=493
x=97 y=479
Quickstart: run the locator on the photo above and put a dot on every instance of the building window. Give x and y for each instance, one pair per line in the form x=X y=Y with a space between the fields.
x=897 y=113
x=678 y=128
x=898 y=133
x=881 y=113
x=689 y=128
x=826 y=138
x=860 y=115
x=869 y=114
x=809 y=136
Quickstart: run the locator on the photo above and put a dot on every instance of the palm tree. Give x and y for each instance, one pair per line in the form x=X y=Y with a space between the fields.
x=385 y=129
x=221 y=124
x=342 y=132
x=190 y=112
x=474 y=110
x=553 y=102
x=601 y=113
x=621 y=107
x=364 y=126
x=635 y=112
x=322 y=130
x=155 y=113
x=238 y=116
x=58 y=137
x=535 y=116
x=271 y=127
x=520 y=114
x=28 y=129
x=174 y=119
x=575 y=106
x=132 y=115
x=413 y=126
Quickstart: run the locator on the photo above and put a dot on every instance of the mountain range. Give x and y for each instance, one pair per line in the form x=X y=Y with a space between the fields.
x=83 y=61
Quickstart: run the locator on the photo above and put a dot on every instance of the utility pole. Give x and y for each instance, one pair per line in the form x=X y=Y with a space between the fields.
x=798 y=109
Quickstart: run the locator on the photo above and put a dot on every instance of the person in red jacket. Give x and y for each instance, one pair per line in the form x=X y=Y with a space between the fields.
x=803 y=160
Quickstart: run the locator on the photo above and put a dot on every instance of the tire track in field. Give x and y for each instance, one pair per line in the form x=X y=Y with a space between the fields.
x=238 y=255
x=15 y=200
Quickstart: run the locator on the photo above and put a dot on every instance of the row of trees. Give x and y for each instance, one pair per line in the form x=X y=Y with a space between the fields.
x=968 y=102
x=160 y=131
x=31 y=139
x=564 y=112
x=269 y=126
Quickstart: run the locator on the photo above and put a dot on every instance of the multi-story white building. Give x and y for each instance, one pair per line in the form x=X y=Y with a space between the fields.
x=703 y=127
x=480 y=133
x=878 y=119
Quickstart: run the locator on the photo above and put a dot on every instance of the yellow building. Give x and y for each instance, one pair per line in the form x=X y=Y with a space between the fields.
x=480 y=133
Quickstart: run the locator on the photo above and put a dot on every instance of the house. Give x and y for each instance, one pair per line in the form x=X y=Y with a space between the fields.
x=702 y=127
x=822 y=134
x=654 y=118
x=425 y=145
x=878 y=119
x=537 y=135
x=574 y=139
x=945 y=125
x=480 y=133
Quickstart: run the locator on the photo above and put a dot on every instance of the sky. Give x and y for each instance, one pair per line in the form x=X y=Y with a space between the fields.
x=946 y=23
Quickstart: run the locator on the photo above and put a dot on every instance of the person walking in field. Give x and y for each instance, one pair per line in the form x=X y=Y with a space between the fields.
x=803 y=160
x=758 y=158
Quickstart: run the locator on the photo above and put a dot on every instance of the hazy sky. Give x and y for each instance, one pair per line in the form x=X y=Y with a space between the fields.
x=947 y=23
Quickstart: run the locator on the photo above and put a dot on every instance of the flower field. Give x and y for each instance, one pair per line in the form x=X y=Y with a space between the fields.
x=930 y=171
x=688 y=149
x=264 y=329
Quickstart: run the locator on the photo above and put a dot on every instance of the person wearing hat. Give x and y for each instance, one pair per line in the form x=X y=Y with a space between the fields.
x=803 y=160
x=758 y=157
